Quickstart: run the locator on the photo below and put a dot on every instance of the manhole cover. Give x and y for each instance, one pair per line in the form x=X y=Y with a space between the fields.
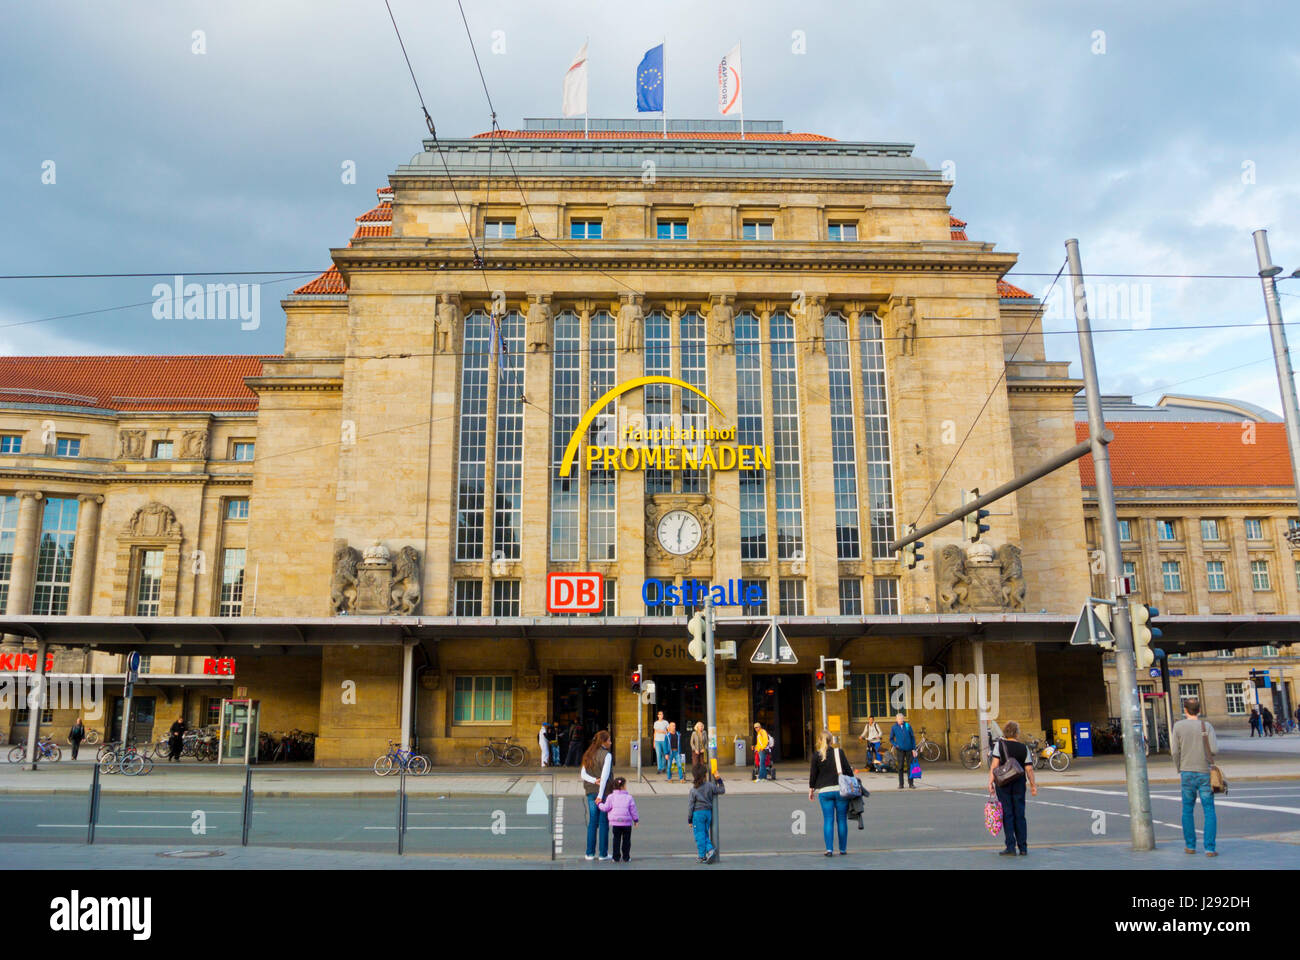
x=192 y=854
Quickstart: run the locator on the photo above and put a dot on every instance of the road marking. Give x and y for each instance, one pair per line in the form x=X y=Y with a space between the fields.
x=508 y=829
x=1217 y=802
x=559 y=826
x=122 y=826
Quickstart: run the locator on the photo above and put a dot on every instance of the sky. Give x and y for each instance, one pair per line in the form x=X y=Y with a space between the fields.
x=183 y=137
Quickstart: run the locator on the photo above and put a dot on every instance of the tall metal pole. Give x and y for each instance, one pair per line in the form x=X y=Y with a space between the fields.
x=711 y=704
x=1281 y=355
x=36 y=706
x=1135 y=764
x=640 y=714
x=821 y=665
x=981 y=705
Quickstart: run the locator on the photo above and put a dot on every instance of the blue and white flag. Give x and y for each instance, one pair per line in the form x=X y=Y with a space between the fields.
x=650 y=81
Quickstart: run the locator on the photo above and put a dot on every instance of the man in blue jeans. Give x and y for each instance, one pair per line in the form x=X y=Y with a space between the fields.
x=1193 y=745
x=661 y=742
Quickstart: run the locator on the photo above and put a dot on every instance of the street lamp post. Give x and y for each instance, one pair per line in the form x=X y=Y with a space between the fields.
x=1268 y=272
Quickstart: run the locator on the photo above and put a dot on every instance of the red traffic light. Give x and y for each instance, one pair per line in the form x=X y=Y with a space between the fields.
x=821 y=679
x=636 y=681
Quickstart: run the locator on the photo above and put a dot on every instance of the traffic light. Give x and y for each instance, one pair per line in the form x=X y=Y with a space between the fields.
x=1144 y=631
x=970 y=524
x=695 y=626
x=834 y=672
x=636 y=681
x=844 y=674
x=912 y=554
x=820 y=677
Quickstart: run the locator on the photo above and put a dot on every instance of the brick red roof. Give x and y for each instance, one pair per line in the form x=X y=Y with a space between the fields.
x=214 y=383
x=1009 y=291
x=329 y=282
x=651 y=135
x=380 y=214
x=1193 y=454
x=372 y=230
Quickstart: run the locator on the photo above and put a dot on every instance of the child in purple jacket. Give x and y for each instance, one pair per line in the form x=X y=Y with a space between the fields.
x=622 y=818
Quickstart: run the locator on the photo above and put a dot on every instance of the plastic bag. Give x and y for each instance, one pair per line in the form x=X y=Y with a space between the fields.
x=993 y=815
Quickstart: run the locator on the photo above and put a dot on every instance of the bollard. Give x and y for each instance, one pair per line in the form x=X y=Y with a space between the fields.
x=94 y=805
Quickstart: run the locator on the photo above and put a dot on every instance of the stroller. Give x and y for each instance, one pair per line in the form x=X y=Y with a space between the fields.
x=771 y=759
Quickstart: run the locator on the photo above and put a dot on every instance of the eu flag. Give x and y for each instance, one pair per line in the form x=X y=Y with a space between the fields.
x=650 y=81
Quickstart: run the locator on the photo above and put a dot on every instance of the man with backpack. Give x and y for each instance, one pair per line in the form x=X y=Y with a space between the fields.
x=903 y=739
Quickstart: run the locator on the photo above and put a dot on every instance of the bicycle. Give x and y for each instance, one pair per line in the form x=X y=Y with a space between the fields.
x=130 y=761
x=92 y=737
x=970 y=754
x=46 y=749
x=399 y=758
x=929 y=750
x=1052 y=755
x=503 y=750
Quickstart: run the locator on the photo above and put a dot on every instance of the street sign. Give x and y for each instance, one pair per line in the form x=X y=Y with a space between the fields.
x=774 y=648
x=1173 y=672
x=1090 y=629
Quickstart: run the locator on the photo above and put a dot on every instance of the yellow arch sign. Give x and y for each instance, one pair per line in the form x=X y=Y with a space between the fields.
x=593 y=411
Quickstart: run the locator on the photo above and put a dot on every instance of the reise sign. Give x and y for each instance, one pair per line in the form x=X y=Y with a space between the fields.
x=575 y=592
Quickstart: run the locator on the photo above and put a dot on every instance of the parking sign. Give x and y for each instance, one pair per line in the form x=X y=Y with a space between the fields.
x=575 y=592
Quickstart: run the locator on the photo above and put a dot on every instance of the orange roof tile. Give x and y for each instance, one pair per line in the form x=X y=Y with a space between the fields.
x=651 y=135
x=954 y=222
x=329 y=282
x=1009 y=291
x=373 y=230
x=214 y=383
x=380 y=214
x=1193 y=454
x=383 y=192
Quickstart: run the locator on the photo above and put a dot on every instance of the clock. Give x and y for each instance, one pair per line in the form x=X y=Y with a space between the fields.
x=679 y=532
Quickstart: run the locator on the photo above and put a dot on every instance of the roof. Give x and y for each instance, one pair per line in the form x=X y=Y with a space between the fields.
x=957 y=228
x=132 y=383
x=1180 y=454
x=375 y=222
x=1173 y=407
x=1009 y=291
x=653 y=135
x=329 y=282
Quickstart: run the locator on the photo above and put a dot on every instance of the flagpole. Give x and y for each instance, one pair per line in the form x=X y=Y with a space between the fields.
x=586 y=101
x=665 y=110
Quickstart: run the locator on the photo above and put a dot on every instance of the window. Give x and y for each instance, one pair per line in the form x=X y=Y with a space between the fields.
x=149 y=589
x=241 y=450
x=1268 y=650
x=505 y=598
x=508 y=503
x=468 y=598
x=584 y=230
x=1145 y=688
x=749 y=430
x=212 y=712
x=850 y=597
x=610 y=607
x=694 y=592
x=483 y=700
x=54 y=556
x=164 y=450
x=1297 y=574
x=786 y=468
x=67 y=447
x=146 y=661
x=1216 y=580
x=875 y=415
x=11 y=443
x=1125 y=531
x=695 y=411
x=23 y=715
x=1188 y=690
x=671 y=229
x=1226 y=654
x=658 y=398
x=472 y=458
x=869 y=696
x=237 y=508
x=652 y=592
x=842 y=231
x=756 y=230
x=1259 y=579
x=232 y=583
x=602 y=502
x=566 y=410
x=9 y=532
x=1172 y=572
x=1130 y=570
x=754 y=609
x=1165 y=530
x=499 y=230
x=844 y=456
x=1254 y=528
x=885 y=594
x=1235 y=693
x=1210 y=530
x=791 y=598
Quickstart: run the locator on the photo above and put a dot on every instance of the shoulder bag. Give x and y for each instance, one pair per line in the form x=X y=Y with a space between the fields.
x=1218 y=782
x=1009 y=769
x=850 y=786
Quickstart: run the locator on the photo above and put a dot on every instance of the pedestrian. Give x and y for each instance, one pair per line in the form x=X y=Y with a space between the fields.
x=699 y=810
x=1254 y=722
x=871 y=735
x=574 y=756
x=699 y=744
x=621 y=809
x=673 y=744
x=75 y=736
x=597 y=767
x=176 y=739
x=1266 y=715
x=661 y=742
x=1192 y=748
x=829 y=763
x=1009 y=752
x=762 y=752
x=544 y=745
x=903 y=739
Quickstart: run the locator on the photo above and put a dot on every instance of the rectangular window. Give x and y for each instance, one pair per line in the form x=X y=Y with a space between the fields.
x=868 y=696
x=658 y=397
x=1254 y=528
x=791 y=598
x=602 y=501
x=1235 y=693
x=1145 y=688
x=756 y=230
x=671 y=229
x=241 y=450
x=1216 y=579
x=232 y=583
x=566 y=410
x=652 y=593
x=483 y=700
x=1297 y=574
x=508 y=502
x=786 y=466
x=149 y=588
x=9 y=532
x=850 y=597
x=1172 y=572
x=11 y=443
x=749 y=430
x=1268 y=650
x=164 y=450
x=1188 y=690
x=842 y=231
x=695 y=411
x=754 y=609
x=885 y=594
x=54 y=556
x=610 y=607
x=875 y=415
x=212 y=712
x=1259 y=578
x=499 y=230
x=237 y=508
x=23 y=715
x=844 y=454
x=1130 y=570
x=505 y=598
x=146 y=659
x=1210 y=530
x=694 y=590
x=1227 y=654
x=1125 y=531
x=1165 y=530
x=584 y=230
x=67 y=447
x=468 y=598
x=472 y=456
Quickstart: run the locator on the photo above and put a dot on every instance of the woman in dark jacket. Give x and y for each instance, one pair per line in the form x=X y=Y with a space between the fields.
x=176 y=739
x=828 y=763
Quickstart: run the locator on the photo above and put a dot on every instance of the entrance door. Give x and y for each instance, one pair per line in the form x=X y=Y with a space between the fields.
x=683 y=703
x=584 y=699
x=782 y=705
x=142 y=709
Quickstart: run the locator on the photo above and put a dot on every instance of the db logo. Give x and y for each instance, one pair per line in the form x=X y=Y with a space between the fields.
x=575 y=592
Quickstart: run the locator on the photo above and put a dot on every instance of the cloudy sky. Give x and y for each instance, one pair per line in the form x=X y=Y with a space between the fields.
x=1160 y=135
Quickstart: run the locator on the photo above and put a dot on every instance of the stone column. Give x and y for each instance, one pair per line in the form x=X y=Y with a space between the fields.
x=725 y=488
x=83 y=556
x=821 y=559
x=23 y=568
x=630 y=484
x=536 y=527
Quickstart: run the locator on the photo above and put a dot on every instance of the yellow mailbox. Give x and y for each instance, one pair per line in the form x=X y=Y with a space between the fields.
x=1061 y=735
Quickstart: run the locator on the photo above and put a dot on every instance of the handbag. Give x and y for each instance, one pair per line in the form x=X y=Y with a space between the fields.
x=1009 y=769
x=1218 y=782
x=850 y=786
x=915 y=772
x=993 y=815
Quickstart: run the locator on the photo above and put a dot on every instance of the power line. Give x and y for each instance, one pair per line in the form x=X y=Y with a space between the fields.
x=159 y=273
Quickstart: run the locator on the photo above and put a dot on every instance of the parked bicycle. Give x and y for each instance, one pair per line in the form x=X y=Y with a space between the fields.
x=92 y=737
x=399 y=758
x=970 y=754
x=1050 y=754
x=46 y=749
x=504 y=750
x=130 y=761
x=928 y=748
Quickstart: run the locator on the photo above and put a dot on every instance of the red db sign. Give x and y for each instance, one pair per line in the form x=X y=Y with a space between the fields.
x=575 y=592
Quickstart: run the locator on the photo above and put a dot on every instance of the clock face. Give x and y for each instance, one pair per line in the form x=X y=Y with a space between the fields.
x=679 y=532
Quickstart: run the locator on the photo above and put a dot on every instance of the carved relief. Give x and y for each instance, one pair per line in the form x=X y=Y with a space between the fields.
x=812 y=322
x=130 y=444
x=902 y=314
x=343 y=581
x=980 y=579
x=722 y=324
x=194 y=445
x=373 y=582
x=445 y=319
x=153 y=521
x=631 y=321
x=404 y=596
x=1012 y=577
x=539 y=322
